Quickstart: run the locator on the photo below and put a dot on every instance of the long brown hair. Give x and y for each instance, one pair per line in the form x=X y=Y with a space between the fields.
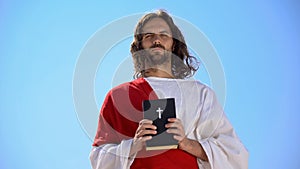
x=189 y=64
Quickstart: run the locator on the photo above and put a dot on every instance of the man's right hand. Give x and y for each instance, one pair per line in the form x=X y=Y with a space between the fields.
x=142 y=135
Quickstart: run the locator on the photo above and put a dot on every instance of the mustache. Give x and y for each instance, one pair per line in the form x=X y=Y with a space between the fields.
x=158 y=46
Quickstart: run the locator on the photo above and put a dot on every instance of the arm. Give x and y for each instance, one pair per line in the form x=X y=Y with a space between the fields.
x=214 y=141
x=109 y=156
x=111 y=149
x=191 y=146
x=139 y=140
x=122 y=155
x=218 y=138
x=108 y=151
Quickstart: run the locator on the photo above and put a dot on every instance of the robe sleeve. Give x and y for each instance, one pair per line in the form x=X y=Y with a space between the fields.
x=110 y=149
x=218 y=138
x=112 y=156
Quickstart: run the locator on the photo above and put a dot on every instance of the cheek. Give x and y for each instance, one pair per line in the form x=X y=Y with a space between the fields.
x=146 y=45
x=169 y=45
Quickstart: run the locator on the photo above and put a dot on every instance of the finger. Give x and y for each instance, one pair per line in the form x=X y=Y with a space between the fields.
x=146 y=138
x=148 y=127
x=173 y=120
x=139 y=143
x=174 y=125
x=142 y=140
x=145 y=121
x=147 y=132
x=178 y=138
x=138 y=134
x=145 y=127
x=175 y=132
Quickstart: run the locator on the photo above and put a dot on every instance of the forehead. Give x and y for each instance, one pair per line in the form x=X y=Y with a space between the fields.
x=156 y=25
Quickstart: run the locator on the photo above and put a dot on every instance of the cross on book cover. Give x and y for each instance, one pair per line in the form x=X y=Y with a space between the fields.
x=159 y=111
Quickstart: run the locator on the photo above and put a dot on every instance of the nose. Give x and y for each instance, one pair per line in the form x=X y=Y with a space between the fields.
x=156 y=39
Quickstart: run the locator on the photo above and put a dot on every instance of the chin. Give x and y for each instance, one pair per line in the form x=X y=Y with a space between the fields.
x=158 y=52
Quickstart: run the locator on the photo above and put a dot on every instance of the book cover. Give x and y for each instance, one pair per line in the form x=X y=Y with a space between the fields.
x=159 y=111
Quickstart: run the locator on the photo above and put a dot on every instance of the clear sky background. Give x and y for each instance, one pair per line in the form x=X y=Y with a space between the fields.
x=258 y=43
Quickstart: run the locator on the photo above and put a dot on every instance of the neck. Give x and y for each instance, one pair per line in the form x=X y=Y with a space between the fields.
x=163 y=71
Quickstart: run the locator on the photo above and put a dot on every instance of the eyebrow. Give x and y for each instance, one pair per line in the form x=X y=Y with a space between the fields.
x=163 y=31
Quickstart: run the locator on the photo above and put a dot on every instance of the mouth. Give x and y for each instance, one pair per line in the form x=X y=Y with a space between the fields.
x=157 y=49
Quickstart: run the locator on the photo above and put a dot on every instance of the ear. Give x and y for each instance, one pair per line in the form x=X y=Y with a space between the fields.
x=134 y=47
x=173 y=47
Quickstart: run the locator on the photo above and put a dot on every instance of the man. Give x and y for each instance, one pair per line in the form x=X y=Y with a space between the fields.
x=163 y=65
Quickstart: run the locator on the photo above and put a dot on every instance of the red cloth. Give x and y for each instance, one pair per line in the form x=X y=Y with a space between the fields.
x=119 y=117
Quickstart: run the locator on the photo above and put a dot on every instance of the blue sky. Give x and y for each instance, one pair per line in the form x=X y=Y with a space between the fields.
x=257 y=43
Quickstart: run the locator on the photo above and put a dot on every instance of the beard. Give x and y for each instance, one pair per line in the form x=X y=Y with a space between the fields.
x=146 y=60
x=153 y=59
x=157 y=55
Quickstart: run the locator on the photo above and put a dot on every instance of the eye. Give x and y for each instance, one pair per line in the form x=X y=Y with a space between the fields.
x=147 y=36
x=165 y=35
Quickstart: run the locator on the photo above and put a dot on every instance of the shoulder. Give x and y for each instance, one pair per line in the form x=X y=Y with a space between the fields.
x=200 y=89
x=130 y=94
x=134 y=84
x=203 y=88
x=134 y=87
x=206 y=90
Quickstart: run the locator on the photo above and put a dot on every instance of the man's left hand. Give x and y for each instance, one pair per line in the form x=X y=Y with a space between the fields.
x=175 y=127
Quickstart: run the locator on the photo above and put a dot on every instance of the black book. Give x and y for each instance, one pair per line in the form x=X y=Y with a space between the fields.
x=159 y=111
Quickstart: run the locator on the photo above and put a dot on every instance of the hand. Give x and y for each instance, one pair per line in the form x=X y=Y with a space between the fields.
x=175 y=127
x=145 y=128
x=191 y=146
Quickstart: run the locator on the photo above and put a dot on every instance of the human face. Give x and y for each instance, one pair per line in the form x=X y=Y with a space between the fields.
x=157 y=37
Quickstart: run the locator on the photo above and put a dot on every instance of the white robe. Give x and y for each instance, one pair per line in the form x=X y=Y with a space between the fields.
x=203 y=120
